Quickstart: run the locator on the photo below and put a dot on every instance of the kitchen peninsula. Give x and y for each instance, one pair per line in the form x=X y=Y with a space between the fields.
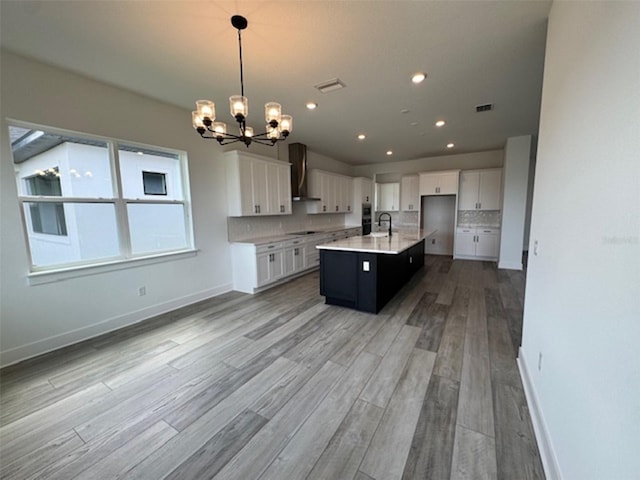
x=365 y=272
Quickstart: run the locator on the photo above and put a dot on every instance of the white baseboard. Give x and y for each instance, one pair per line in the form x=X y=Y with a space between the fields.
x=24 y=352
x=545 y=445
x=510 y=265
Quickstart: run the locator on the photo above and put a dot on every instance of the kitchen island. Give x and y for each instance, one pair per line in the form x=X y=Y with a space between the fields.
x=365 y=272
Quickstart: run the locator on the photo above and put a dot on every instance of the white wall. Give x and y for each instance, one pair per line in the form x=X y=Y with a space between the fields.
x=37 y=318
x=463 y=161
x=582 y=305
x=515 y=181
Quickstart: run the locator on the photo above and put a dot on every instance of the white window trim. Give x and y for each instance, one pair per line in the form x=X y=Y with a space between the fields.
x=126 y=259
x=76 y=271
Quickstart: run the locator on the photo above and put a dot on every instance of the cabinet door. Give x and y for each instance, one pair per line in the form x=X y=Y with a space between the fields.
x=490 y=187
x=273 y=193
x=367 y=191
x=468 y=198
x=389 y=193
x=448 y=183
x=263 y=262
x=409 y=198
x=348 y=194
x=276 y=267
x=428 y=184
x=465 y=244
x=289 y=261
x=487 y=245
x=284 y=189
x=259 y=182
x=299 y=258
x=248 y=205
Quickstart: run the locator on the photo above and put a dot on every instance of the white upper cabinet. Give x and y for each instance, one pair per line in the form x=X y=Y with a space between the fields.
x=366 y=189
x=334 y=191
x=439 y=183
x=409 y=195
x=388 y=197
x=257 y=185
x=480 y=189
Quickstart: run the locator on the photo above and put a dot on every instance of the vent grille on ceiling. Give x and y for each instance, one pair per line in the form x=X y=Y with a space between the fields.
x=484 y=107
x=330 y=85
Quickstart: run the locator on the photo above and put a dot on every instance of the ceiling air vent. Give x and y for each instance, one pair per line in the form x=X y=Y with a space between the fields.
x=484 y=108
x=330 y=85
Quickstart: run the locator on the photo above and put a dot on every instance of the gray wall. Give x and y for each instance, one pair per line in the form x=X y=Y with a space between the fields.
x=37 y=318
x=582 y=306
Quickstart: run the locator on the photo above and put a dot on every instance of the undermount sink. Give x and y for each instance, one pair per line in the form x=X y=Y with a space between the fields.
x=379 y=234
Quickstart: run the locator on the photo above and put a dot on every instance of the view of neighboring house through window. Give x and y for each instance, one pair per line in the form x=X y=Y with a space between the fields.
x=86 y=200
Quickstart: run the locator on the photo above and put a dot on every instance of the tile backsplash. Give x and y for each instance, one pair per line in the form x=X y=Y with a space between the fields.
x=400 y=220
x=244 y=228
x=479 y=218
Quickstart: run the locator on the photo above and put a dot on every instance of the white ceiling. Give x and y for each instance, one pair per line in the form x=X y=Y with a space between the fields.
x=474 y=52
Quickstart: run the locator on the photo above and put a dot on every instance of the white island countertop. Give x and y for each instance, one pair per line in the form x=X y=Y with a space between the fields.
x=396 y=243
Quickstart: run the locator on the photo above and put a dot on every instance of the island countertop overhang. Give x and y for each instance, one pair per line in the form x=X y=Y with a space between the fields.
x=393 y=245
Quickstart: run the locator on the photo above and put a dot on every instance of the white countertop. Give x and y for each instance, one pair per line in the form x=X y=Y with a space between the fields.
x=290 y=236
x=397 y=243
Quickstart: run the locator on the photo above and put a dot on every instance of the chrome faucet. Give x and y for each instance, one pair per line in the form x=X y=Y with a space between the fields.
x=380 y=220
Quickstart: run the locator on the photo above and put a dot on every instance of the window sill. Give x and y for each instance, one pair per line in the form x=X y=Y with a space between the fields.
x=61 y=274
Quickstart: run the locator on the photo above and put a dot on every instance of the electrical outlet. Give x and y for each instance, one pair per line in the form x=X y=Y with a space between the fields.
x=142 y=291
x=535 y=247
x=433 y=241
x=365 y=266
x=540 y=361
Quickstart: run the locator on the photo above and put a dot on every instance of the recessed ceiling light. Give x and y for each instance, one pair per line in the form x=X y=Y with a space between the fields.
x=312 y=105
x=389 y=152
x=440 y=123
x=362 y=136
x=418 y=77
x=450 y=145
x=405 y=110
x=413 y=124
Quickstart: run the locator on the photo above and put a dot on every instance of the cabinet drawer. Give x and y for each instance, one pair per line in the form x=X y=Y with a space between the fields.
x=465 y=230
x=269 y=247
x=488 y=231
x=296 y=242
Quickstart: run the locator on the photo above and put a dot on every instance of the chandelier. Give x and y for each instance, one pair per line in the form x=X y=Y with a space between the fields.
x=278 y=126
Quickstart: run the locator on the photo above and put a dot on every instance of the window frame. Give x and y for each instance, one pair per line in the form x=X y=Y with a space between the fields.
x=126 y=258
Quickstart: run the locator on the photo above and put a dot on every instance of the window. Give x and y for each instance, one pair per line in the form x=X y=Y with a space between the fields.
x=84 y=203
x=47 y=218
x=154 y=183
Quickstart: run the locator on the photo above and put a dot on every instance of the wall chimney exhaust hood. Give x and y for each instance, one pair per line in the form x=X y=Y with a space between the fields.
x=298 y=161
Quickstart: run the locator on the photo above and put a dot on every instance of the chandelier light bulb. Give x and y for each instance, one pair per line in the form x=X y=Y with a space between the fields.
x=286 y=124
x=248 y=132
x=273 y=132
x=239 y=106
x=196 y=120
x=273 y=112
x=220 y=128
x=206 y=110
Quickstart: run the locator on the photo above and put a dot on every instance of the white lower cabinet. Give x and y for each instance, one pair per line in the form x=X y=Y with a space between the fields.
x=294 y=257
x=257 y=266
x=269 y=264
x=477 y=243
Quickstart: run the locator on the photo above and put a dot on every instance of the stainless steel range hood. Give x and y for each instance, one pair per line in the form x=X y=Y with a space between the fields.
x=298 y=161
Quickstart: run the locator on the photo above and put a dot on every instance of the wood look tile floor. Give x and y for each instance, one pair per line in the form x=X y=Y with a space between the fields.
x=279 y=385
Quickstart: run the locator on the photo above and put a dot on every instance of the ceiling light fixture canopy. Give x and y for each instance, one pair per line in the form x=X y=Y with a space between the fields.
x=278 y=126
